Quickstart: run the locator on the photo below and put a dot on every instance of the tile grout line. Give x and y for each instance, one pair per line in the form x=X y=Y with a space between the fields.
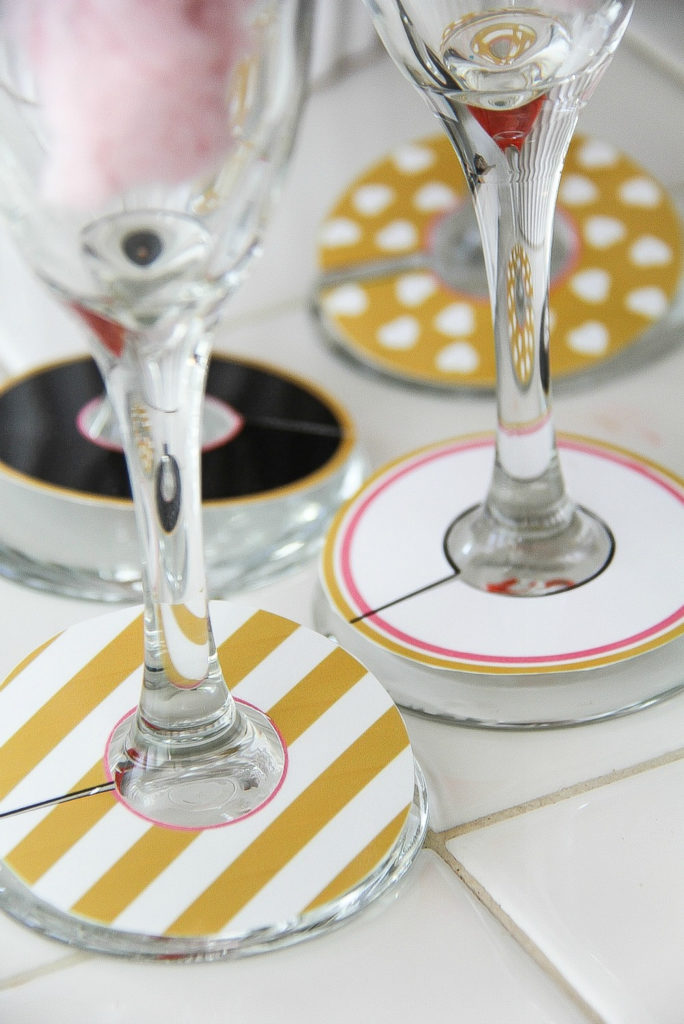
x=559 y=795
x=436 y=843
x=43 y=970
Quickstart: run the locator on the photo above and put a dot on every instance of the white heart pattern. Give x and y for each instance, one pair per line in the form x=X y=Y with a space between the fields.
x=576 y=190
x=397 y=236
x=401 y=333
x=370 y=200
x=591 y=285
x=338 y=232
x=347 y=300
x=413 y=159
x=460 y=357
x=640 y=192
x=597 y=153
x=602 y=232
x=414 y=289
x=434 y=196
x=649 y=302
x=649 y=251
x=590 y=339
x=456 y=319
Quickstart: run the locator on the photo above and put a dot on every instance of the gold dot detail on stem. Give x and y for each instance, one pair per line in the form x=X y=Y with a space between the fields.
x=520 y=315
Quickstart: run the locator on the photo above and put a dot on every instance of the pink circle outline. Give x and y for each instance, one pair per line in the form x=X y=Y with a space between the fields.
x=236 y=425
x=198 y=828
x=592 y=652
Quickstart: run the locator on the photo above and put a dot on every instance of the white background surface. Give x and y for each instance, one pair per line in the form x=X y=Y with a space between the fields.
x=553 y=891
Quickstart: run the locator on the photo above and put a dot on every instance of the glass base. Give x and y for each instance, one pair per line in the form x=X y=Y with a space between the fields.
x=17 y=900
x=490 y=557
x=209 y=789
x=340 y=831
x=279 y=460
x=390 y=596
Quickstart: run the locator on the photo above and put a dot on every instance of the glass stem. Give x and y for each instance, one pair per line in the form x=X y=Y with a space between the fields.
x=514 y=185
x=156 y=386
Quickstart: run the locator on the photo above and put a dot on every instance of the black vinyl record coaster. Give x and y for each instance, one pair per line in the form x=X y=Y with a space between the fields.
x=282 y=432
x=278 y=458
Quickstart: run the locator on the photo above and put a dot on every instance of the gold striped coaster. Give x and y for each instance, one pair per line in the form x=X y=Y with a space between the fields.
x=343 y=805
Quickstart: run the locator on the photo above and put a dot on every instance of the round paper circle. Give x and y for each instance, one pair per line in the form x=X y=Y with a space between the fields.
x=392 y=299
x=344 y=801
x=385 y=570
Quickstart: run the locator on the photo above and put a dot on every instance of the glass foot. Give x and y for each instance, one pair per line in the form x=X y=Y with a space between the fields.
x=207 y=790
x=262 y=518
x=498 y=560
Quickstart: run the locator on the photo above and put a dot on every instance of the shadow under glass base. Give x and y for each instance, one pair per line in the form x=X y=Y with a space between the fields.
x=342 y=829
x=279 y=458
x=391 y=596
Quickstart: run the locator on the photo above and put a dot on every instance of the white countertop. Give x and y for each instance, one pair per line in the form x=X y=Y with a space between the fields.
x=551 y=887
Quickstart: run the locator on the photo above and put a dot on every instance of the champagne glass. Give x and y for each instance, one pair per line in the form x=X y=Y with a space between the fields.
x=141 y=150
x=507 y=81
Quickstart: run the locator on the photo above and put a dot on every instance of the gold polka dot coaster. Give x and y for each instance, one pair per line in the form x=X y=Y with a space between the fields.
x=402 y=284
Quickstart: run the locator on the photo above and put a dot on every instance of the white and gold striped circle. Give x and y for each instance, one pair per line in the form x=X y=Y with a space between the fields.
x=343 y=804
x=407 y=321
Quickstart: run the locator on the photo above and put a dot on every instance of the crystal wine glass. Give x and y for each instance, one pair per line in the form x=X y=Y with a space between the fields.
x=507 y=81
x=140 y=147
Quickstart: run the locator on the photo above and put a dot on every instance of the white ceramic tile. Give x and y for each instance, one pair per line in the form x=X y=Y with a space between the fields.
x=430 y=952
x=342 y=29
x=472 y=773
x=622 y=409
x=596 y=883
x=34 y=329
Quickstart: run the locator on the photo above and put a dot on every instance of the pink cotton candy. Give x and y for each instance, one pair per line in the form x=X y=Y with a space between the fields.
x=134 y=91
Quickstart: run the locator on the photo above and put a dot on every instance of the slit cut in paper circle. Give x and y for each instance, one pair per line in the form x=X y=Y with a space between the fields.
x=385 y=571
